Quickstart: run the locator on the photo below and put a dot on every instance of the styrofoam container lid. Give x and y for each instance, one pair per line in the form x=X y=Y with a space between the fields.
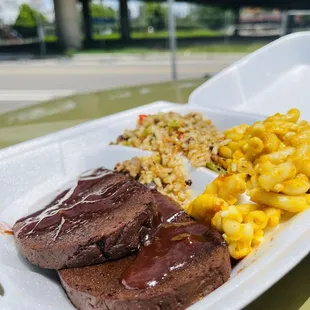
x=273 y=79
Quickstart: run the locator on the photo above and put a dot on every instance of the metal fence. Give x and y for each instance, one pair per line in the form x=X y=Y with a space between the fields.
x=221 y=25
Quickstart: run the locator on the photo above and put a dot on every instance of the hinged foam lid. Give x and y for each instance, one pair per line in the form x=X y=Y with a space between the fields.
x=272 y=79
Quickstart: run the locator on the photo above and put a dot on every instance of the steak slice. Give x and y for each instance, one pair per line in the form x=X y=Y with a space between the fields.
x=169 y=210
x=104 y=216
x=142 y=282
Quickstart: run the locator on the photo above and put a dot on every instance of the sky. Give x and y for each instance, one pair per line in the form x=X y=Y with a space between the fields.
x=9 y=8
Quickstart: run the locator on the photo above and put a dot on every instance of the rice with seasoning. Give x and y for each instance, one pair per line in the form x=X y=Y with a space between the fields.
x=171 y=133
x=165 y=172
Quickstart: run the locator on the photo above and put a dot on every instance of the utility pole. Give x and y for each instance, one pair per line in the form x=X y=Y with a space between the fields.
x=172 y=40
x=40 y=30
x=284 y=22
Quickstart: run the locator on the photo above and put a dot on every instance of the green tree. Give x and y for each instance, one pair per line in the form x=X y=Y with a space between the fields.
x=27 y=17
x=186 y=22
x=154 y=14
x=208 y=16
x=98 y=10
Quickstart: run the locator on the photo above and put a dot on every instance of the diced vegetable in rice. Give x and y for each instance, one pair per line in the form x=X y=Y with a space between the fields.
x=164 y=171
x=172 y=133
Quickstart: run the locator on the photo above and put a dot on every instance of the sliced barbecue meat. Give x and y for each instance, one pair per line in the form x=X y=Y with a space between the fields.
x=184 y=262
x=104 y=216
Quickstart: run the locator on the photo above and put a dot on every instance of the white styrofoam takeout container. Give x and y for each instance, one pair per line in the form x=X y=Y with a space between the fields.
x=274 y=78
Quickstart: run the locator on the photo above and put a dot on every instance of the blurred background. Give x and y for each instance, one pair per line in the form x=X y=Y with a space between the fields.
x=56 y=48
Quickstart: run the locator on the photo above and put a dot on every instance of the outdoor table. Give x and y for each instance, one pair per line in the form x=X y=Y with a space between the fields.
x=292 y=292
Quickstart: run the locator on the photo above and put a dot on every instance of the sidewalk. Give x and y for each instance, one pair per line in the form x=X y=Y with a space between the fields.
x=157 y=57
x=119 y=59
x=103 y=57
x=6 y=57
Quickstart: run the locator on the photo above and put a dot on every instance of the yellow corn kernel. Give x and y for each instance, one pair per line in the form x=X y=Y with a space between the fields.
x=258 y=217
x=274 y=216
x=284 y=202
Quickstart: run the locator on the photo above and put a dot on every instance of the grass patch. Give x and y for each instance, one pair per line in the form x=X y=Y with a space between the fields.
x=112 y=36
x=155 y=35
x=125 y=50
x=162 y=34
x=180 y=34
x=224 y=47
x=50 y=38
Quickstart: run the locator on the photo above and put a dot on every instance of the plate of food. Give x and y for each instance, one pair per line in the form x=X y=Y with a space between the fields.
x=165 y=206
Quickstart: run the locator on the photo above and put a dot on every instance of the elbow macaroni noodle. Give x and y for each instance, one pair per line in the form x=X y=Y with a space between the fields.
x=270 y=161
x=242 y=225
